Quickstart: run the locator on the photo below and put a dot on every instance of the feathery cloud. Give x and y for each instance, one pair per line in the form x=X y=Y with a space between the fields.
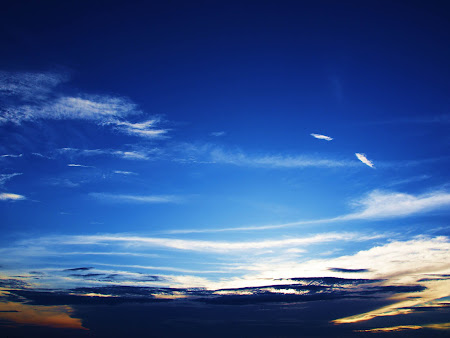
x=7 y=177
x=78 y=165
x=374 y=206
x=145 y=129
x=129 y=155
x=29 y=86
x=322 y=137
x=11 y=197
x=363 y=159
x=136 y=198
x=11 y=155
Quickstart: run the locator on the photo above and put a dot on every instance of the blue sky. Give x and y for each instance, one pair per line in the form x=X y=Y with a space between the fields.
x=285 y=156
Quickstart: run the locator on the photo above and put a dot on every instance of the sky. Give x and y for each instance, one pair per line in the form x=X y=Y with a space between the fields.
x=225 y=168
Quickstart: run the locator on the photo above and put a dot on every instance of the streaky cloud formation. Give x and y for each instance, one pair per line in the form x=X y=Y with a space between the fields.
x=363 y=159
x=125 y=154
x=78 y=165
x=4 y=196
x=143 y=129
x=322 y=137
x=11 y=155
x=30 y=86
x=376 y=205
x=6 y=177
x=136 y=198
x=209 y=246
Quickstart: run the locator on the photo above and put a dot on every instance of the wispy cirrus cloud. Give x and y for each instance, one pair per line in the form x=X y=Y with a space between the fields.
x=38 y=100
x=121 y=172
x=11 y=197
x=144 y=129
x=78 y=165
x=217 y=133
x=376 y=205
x=136 y=198
x=144 y=154
x=209 y=153
x=322 y=137
x=6 y=177
x=31 y=85
x=364 y=159
x=211 y=246
x=11 y=155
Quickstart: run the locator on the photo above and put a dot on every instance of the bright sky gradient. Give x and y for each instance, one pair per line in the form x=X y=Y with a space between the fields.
x=194 y=156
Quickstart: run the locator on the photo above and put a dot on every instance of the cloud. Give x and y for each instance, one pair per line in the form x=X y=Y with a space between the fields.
x=348 y=270
x=217 y=133
x=11 y=197
x=29 y=86
x=136 y=198
x=217 y=155
x=120 y=172
x=84 y=268
x=11 y=155
x=144 y=129
x=380 y=204
x=42 y=102
x=213 y=246
x=78 y=165
x=363 y=159
x=374 y=206
x=7 y=177
x=128 y=155
x=322 y=137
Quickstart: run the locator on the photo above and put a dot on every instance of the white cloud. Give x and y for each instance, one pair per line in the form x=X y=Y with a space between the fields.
x=144 y=129
x=374 y=206
x=7 y=177
x=322 y=137
x=136 y=198
x=363 y=159
x=274 y=161
x=212 y=246
x=129 y=155
x=88 y=107
x=11 y=155
x=380 y=204
x=124 y=172
x=78 y=165
x=29 y=86
x=11 y=197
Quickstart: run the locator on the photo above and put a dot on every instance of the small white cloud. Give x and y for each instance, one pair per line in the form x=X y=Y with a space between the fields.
x=11 y=197
x=144 y=129
x=136 y=198
x=363 y=159
x=124 y=172
x=11 y=155
x=322 y=137
x=78 y=165
x=129 y=155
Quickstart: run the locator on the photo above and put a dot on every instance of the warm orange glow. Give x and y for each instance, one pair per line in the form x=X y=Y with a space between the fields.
x=51 y=316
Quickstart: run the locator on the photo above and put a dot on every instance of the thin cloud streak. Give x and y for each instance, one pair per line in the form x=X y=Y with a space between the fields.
x=136 y=198
x=210 y=246
x=374 y=206
x=6 y=177
x=322 y=137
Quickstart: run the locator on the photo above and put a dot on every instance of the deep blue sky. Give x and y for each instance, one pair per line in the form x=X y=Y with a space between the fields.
x=232 y=148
